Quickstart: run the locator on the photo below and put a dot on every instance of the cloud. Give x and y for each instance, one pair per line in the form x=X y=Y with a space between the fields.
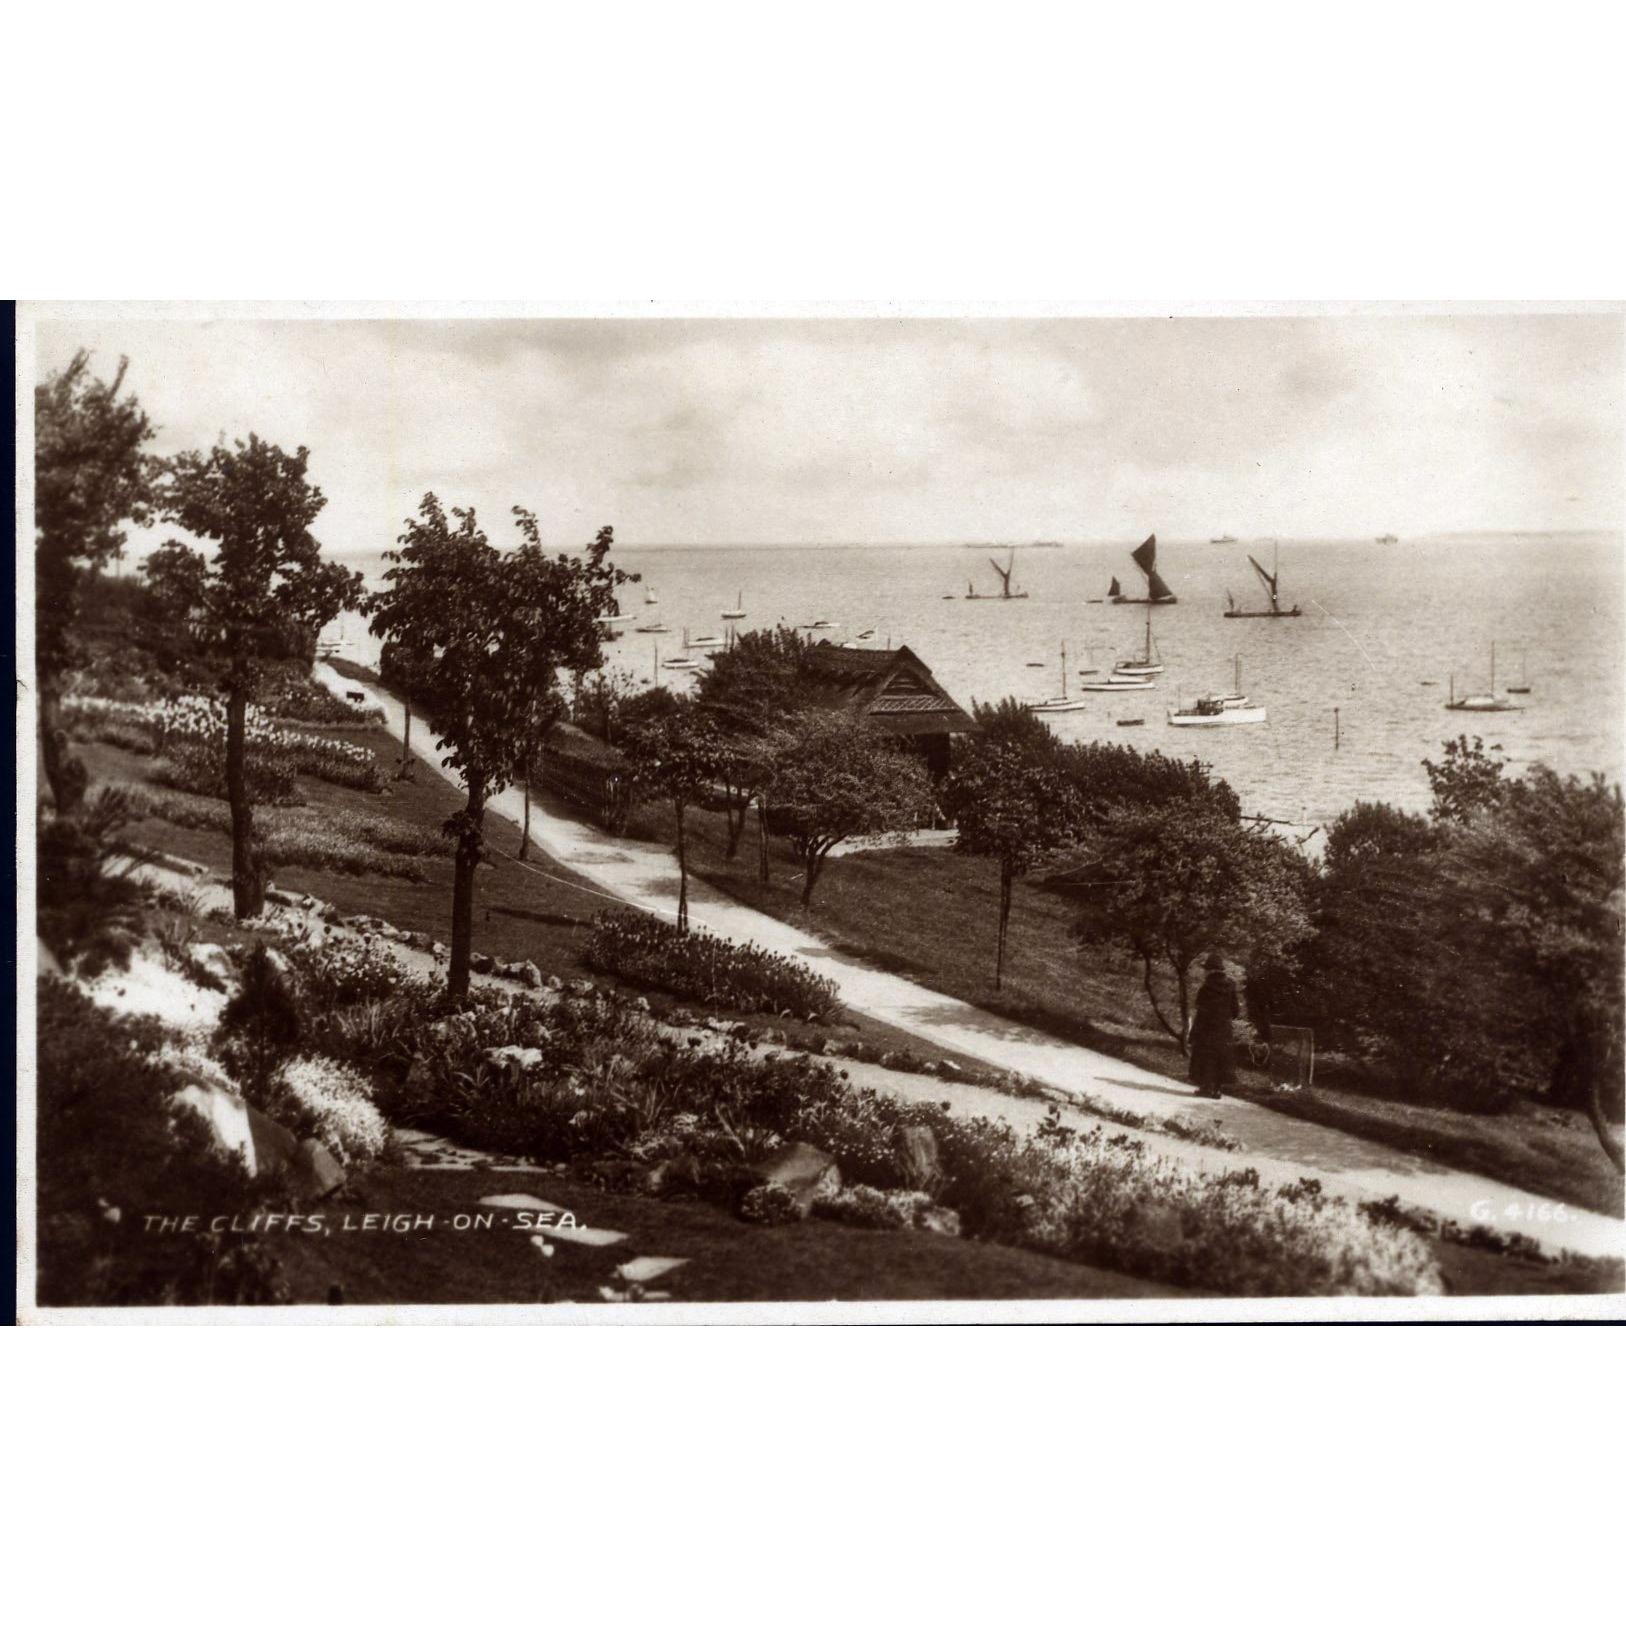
x=893 y=430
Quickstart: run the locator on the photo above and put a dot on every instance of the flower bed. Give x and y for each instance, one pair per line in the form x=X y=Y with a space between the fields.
x=594 y=1081
x=698 y=965
x=190 y=731
x=310 y=838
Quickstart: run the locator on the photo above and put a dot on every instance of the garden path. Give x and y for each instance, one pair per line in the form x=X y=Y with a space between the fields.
x=644 y=875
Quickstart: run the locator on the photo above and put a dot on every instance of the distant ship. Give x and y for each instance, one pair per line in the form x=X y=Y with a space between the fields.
x=1387 y=540
x=1220 y=541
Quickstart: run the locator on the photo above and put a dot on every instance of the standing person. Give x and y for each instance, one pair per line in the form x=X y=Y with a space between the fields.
x=1212 y=1064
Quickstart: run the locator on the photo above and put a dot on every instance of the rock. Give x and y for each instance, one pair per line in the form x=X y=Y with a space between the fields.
x=641 y=1004
x=920 y=1159
x=276 y=1149
x=229 y=1119
x=944 y=1221
x=513 y=1059
x=482 y=963
x=329 y=914
x=803 y=1171
x=740 y=1031
x=213 y=959
x=279 y=962
x=419 y=940
x=553 y=984
x=582 y=988
x=948 y=1069
x=527 y=972
x=315 y=1171
x=289 y=900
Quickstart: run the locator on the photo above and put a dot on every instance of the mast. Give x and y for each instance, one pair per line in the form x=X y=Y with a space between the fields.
x=1493 y=669
x=1064 y=671
x=1147 y=659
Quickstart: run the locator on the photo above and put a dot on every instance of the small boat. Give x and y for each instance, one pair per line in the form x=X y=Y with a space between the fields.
x=1488 y=701
x=1131 y=722
x=1115 y=685
x=1062 y=701
x=1221 y=541
x=680 y=663
x=738 y=612
x=1148 y=665
x=820 y=625
x=1387 y=540
x=951 y=595
x=869 y=632
x=1036 y=663
x=1095 y=601
x=707 y=640
x=649 y=596
x=1004 y=574
x=1158 y=591
x=1268 y=579
x=1220 y=710
x=1523 y=685
x=654 y=626
x=615 y=620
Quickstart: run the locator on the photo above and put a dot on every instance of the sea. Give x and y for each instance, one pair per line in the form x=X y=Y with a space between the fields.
x=1355 y=687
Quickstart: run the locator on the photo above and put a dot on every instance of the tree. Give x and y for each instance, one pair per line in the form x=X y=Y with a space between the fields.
x=91 y=478
x=1175 y=881
x=265 y=587
x=1541 y=870
x=760 y=681
x=1013 y=808
x=411 y=681
x=833 y=778
x=1469 y=781
x=677 y=755
x=488 y=633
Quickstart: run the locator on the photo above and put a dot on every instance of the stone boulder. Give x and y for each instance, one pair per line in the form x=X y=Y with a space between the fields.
x=803 y=1171
x=483 y=963
x=228 y=1117
x=526 y=972
x=315 y=1171
x=512 y=1060
x=212 y=959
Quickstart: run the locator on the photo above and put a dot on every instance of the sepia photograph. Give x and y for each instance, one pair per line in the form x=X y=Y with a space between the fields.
x=821 y=814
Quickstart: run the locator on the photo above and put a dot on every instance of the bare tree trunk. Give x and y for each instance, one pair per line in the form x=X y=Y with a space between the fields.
x=815 y=868
x=1004 y=919
x=734 y=812
x=762 y=840
x=247 y=876
x=466 y=863
x=405 y=770
x=1157 y=1010
x=525 y=828
x=1181 y=972
x=64 y=772
x=683 y=868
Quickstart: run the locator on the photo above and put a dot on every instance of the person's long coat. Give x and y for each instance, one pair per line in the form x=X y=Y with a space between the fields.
x=1213 y=1066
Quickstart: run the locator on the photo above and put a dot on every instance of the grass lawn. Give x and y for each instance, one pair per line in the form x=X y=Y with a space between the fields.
x=930 y=915
x=729 y=1260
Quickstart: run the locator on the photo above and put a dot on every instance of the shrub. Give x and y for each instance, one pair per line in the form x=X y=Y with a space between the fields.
x=260 y=1024
x=698 y=965
x=341 y=971
x=88 y=905
x=317 y=1096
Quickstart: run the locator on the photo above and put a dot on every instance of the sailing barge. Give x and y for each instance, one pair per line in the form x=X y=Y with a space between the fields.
x=1158 y=591
x=1269 y=581
x=1004 y=574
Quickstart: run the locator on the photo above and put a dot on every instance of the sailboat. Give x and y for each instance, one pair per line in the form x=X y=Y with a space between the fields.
x=1147 y=665
x=649 y=596
x=706 y=640
x=1269 y=580
x=1221 y=710
x=1158 y=591
x=1489 y=701
x=1003 y=571
x=1062 y=701
x=738 y=612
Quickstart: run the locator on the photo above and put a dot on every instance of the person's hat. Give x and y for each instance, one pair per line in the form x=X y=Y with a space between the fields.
x=1214 y=963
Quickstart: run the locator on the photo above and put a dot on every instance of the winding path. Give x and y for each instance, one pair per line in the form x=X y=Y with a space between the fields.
x=644 y=874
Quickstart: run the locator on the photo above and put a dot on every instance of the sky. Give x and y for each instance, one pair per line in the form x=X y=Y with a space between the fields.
x=782 y=431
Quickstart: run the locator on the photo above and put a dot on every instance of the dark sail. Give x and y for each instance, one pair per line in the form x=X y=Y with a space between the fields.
x=1146 y=557
x=1115 y=591
x=1266 y=577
